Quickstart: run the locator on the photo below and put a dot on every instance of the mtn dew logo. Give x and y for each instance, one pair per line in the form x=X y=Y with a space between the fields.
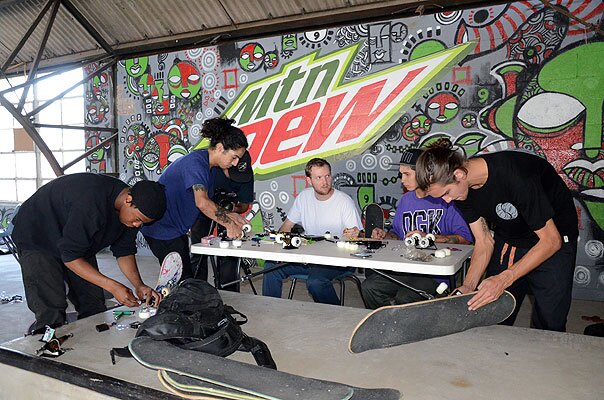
x=308 y=110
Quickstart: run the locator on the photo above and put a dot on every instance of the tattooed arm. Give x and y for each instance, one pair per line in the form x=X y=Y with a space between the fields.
x=451 y=239
x=483 y=250
x=233 y=222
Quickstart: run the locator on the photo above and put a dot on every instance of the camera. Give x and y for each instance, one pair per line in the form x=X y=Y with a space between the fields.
x=224 y=199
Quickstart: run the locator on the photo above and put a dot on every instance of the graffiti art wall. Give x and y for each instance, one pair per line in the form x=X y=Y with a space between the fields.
x=511 y=76
x=99 y=112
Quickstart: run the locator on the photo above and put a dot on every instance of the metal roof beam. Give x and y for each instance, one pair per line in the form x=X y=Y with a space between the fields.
x=69 y=89
x=87 y=25
x=34 y=69
x=31 y=30
x=35 y=136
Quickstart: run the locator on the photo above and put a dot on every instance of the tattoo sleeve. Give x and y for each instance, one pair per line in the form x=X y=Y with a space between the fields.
x=453 y=239
x=200 y=188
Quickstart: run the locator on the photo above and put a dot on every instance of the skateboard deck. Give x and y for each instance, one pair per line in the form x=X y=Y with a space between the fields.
x=374 y=218
x=395 y=325
x=237 y=379
x=169 y=274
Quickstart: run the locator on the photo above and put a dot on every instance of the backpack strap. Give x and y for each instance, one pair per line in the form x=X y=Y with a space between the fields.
x=231 y=311
x=259 y=350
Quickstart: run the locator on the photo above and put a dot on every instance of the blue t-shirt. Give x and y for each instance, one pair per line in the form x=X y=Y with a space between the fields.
x=429 y=215
x=181 y=211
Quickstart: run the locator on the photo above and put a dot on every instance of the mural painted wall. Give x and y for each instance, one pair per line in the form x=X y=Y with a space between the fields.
x=493 y=78
x=99 y=112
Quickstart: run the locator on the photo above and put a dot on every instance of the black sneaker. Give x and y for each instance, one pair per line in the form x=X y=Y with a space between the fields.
x=40 y=331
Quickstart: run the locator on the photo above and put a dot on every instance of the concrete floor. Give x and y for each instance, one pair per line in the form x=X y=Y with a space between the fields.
x=16 y=317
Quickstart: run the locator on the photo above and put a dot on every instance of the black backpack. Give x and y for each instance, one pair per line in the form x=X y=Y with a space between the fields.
x=194 y=317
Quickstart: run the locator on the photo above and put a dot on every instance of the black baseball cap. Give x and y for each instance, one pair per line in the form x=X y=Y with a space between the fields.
x=242 y=172
x=150 y=198
x=409 y=157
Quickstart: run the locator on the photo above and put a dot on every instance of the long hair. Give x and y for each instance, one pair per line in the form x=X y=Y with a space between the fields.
x=438 y=163
x=221 y=130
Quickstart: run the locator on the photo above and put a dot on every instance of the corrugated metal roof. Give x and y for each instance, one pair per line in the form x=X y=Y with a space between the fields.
x=132 y=27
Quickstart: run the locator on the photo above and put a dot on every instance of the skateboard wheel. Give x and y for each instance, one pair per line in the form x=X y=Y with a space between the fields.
x=296 y=241
x=440 y=254
x=237 y=243
x=354 y=247
x=341 y=244
x=409 y=241
x=165 y=291
x=144 y=314
x=279 y=238
x=416 y=236
x=442 y=288
x=327 y=235
x=223 y=245
x=447 y=252
x=431 y=237
x=246 y=228
x=424 y=243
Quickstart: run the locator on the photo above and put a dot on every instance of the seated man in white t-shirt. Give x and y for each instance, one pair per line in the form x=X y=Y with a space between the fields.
x=318 y=209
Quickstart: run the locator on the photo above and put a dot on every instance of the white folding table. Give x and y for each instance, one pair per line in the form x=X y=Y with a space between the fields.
x=325 y=252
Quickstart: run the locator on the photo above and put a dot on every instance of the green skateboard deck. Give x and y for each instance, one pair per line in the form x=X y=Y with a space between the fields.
x=395 y=325
x=235 y=379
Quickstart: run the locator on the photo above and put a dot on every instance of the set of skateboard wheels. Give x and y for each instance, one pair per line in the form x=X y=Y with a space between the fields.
x=442 y=253
x=422 y=242
x=347 y=245
x=283 y=239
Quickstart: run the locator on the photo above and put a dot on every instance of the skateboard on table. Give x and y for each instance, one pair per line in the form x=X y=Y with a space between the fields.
x=169 y=274
x=194 y=374
x=374 y=218
x=407 y=323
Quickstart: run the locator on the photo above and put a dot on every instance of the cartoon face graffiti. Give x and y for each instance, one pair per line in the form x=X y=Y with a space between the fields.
x=561 y=120
x=442 y=107
x=135 y=141
x=564 y=117
x=251 y=57
x=96 y=111
x=98 y=83
x=271 y=60
x=184 y=80
x=135 y=67
x=418 y=126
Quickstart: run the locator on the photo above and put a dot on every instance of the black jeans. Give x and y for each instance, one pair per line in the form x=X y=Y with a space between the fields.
x=227 y=270
x=551 y=284
x=161 y=248
x=44 y=278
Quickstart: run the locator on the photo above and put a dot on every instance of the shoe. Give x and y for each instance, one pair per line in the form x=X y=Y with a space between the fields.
x=40 y=331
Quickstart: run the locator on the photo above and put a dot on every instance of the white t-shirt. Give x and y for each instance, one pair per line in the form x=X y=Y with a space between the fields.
x=332 y=215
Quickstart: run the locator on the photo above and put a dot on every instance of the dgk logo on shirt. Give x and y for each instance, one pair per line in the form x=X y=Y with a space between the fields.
x=506 y=211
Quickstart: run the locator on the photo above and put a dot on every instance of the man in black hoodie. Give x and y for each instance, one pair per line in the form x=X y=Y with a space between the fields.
x=62 y=226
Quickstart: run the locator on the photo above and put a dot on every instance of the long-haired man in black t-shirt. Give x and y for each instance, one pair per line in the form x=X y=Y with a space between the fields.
x=532 y=215
x=62 y=226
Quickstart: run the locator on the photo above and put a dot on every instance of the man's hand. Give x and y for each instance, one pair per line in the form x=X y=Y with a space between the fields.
x=351 y=233
x=124 y=295
x=491 y=289
x=378 y=233
x=148 y=295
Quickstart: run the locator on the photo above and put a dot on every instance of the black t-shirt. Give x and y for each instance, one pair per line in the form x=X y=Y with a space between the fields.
x=522 y=192
x=74 y=216
x=244 y=191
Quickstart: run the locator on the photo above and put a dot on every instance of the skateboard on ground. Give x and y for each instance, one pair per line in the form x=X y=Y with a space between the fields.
x=169 y=274
x=374 y=218
x=395 y=325
x=194 y=374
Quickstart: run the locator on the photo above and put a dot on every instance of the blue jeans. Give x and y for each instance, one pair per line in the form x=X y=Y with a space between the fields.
x=319 y=280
